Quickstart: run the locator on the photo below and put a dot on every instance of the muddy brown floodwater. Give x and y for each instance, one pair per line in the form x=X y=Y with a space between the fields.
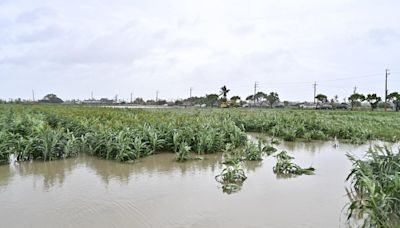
x=159 y=192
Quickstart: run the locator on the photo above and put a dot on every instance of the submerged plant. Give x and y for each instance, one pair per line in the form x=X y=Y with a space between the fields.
x=286 y=167
x=231 y=177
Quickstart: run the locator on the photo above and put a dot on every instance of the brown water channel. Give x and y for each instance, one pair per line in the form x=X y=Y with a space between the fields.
x=159 y=192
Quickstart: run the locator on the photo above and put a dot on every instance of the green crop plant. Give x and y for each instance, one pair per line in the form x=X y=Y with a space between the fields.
x=123 y=146
x=155 y=141
x=183 y=152
x=71 y=146
x=45 y=131
x=375 y=188
x=139 y=148
x=253 y=151
x=176 y=141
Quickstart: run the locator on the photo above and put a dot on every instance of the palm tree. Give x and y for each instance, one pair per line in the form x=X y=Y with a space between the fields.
x=224 y=92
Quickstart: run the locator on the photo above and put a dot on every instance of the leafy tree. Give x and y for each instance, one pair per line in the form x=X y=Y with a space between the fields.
x=235 y=98
x=272 y=98
x=224 y=92
x=250 y=98
x=395 y=98
x=211 y=99
x=51 y=98
x=161 y=102
x=139 y=101
x=322 y=98
x=178 y=102
x=260 y=95
x=150 y=102
x=356 y=97
x=373 y=100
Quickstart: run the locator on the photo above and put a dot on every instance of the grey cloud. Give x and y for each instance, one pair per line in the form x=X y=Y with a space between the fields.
x=242 y=68
x=186 y=43
x=383 y=36
x=41 y=35
x=176 y=44
x=34 y=15
x=243 y=30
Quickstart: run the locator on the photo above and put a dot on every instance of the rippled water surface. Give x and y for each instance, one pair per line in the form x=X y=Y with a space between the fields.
x=159 y=192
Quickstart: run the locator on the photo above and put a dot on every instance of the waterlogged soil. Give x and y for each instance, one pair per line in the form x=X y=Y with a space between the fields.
x=159 y=192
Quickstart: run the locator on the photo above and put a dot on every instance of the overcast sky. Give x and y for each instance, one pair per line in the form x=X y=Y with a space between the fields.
x=117 y=47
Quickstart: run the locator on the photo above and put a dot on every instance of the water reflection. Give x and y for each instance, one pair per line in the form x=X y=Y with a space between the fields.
x=252 y=166
x=54 y=172
x=163 y=163
x=158 y=192
x=49 y=173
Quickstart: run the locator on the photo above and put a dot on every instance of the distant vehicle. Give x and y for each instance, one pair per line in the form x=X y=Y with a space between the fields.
x=308 y=106
x=324 y=107
x=342 y=106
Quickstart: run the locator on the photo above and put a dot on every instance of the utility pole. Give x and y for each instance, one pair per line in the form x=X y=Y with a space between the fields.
x=255 y=91
x=315 y=90
x=156 y=95
x=191 y=89
x=386 y=90
x=33 y=95
x=131 y=97
x=91 y=95
x=355 y=89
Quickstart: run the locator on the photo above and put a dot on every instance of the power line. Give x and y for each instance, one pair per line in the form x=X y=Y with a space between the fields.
x=328 y=80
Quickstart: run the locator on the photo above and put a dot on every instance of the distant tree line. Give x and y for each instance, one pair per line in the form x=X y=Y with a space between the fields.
x=221 y=100
x=356 y=99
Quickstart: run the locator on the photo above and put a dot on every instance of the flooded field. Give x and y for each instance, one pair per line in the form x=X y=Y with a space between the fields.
x=158 y=192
